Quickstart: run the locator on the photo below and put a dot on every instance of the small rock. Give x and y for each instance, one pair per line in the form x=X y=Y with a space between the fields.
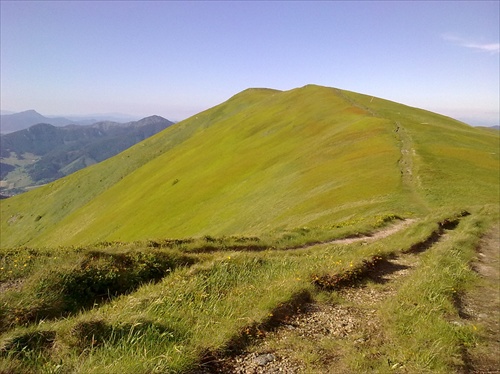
x=264 y=359
x=359 y=341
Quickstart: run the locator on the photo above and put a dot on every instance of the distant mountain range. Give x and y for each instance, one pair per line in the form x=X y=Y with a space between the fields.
x=10 y=121
x=22 y=120
x=43 y=152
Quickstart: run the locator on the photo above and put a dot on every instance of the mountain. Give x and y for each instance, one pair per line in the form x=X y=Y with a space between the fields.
x=262 y=161
x=22 y=120
x=479 y=122
x=100 y=117
x=58 y=151
x=11 y=121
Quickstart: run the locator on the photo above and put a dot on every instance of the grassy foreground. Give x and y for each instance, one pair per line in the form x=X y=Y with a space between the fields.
x=81 y=310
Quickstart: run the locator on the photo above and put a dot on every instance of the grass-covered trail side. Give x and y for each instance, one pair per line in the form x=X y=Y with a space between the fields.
x=481 y=306
x=359 y=325
x=175 y=305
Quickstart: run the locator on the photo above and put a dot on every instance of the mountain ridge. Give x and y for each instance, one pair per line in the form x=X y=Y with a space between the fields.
x=16 y=121
x=21 y=120
x=59 y=151
x=266 y=160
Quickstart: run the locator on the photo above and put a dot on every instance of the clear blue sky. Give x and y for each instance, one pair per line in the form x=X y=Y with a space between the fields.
x=177 y=58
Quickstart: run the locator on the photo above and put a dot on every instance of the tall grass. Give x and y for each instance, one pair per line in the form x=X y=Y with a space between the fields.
x=168 y=326
x=423 y=330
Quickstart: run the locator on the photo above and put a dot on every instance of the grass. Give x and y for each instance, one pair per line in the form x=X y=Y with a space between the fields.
x=194 y=242
x=417 y=330
x=289 y=159
x=272 y=160
x=419 y=319
x=201 y=307
x=452 y=161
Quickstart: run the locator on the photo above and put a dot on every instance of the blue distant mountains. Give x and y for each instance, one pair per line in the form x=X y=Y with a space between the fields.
x=11 y=121
x=45 y=152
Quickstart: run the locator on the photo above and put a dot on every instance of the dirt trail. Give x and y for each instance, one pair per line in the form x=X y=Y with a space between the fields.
x=349 y=322
x=387 y=231
x=481 y=306
x=322 y=336
x=377 y=235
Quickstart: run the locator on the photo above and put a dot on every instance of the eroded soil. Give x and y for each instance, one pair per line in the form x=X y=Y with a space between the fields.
x=348 y=323
x=481 y=306
x=323 y=336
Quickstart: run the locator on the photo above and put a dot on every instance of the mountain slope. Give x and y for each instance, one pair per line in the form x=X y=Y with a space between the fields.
x=64 y=150
x=265 y=160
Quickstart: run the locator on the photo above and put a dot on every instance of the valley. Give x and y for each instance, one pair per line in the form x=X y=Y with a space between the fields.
x=43 y=152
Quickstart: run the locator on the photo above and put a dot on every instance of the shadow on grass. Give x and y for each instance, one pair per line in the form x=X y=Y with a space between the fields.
x=98 y=278
x=212 y=362
x=447 y=224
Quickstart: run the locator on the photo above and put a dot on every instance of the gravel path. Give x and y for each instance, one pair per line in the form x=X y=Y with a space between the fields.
x=352 y=322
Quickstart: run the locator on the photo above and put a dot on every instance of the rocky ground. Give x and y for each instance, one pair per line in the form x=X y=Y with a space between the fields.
x=353 y=322
x=349 y=320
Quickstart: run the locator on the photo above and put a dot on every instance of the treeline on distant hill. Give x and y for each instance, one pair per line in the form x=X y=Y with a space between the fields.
x=63 y=150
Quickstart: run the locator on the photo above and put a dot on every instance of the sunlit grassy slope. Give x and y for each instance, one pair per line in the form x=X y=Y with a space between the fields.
x=266 y=160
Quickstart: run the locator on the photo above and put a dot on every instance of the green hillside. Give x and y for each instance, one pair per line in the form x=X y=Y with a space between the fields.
x=346 y=222
x=264 y=161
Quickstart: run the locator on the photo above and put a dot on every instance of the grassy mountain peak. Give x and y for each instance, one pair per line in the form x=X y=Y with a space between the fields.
x=266 y=160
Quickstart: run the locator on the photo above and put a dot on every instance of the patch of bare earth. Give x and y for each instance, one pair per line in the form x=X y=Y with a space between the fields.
x=481 y=307
x=14 y=284
x=377 y=235
x=322 y=336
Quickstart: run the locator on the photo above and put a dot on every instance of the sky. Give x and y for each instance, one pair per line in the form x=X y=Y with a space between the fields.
x=176 y=59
